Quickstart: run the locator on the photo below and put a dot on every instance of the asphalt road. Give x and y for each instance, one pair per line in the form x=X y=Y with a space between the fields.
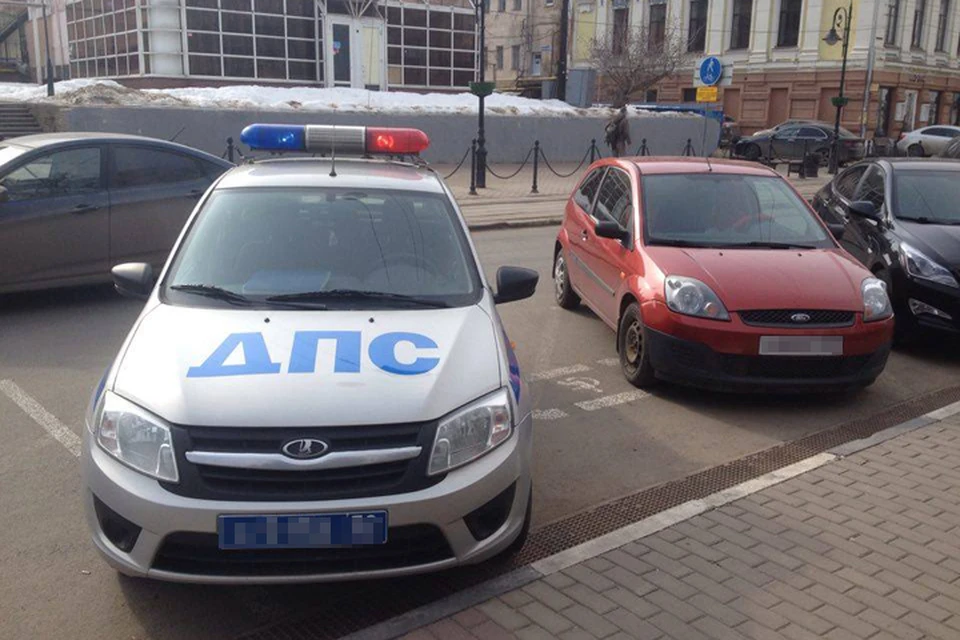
x=597 y=439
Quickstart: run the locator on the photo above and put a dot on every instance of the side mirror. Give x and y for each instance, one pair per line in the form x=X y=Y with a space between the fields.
x=866 y=209
x=515 y=283
x=612 y=230
x=4 y=194
x=836 y=230
x=133 y=279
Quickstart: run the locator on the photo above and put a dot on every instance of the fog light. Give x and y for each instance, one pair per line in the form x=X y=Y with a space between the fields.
x=485 y=521
x=920 y=308
x=120 y=531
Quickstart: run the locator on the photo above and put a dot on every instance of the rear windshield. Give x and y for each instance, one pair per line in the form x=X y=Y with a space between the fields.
x=932 y=195
x=345 y=248
x=724 y=210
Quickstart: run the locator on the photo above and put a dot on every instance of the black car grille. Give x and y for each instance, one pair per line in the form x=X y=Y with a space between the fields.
x=233 y=483
x=200 y=554
x=784 y=317
x=781 y=367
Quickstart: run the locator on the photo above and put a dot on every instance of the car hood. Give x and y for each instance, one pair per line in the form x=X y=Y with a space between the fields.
x=770 y=279
x=225 y=367
x=942 y=240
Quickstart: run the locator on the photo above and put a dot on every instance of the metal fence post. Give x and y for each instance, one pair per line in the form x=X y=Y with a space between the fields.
x=644 y=151
x=230 y=149
x=593 y=150
x=536 y=165
x=473 y=167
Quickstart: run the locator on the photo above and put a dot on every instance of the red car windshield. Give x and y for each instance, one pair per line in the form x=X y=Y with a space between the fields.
x=727 y=210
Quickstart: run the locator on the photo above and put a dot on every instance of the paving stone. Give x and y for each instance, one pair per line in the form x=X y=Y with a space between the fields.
x=516 y=598
x=674 y=627
x=490 y=630
x=449 y=630
x=590 y=621
x=674 y=605
x=817 y=559
x=743 y=555
x=809 y=621
x=470 y=617
x=745 y=589
x=762 y=615
x=590 y=598
x=632 y=602
x=716 y=630
x=674 y=567
x=665 y=547
x=842 y=602
x=757 y=631
x=694 y=546
x=620 y=558
x=745 y=572
x=670 y=584
x=727 y=615
x=852 y=576
x=633 y=624
x=856 y=626
x=700 y=534
x=796 y=632
x=806 y=541
x=533 y=632
x=913 y=587
x=919 y=606
x=845 y=544
x=714 y=589
x=546 y=617
x=548 y=595
x=585 y=575
x=788 y=594
x=419 y=634
x=796 y=580
x=630 y=580
x=577 y=634
x=892 y=625
x=559 y=580
x=599 y=564
x=504 y=615
x=930 y=628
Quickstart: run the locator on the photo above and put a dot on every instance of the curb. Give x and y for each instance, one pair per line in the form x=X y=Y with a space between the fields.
x=451 y=605
x=511 y=224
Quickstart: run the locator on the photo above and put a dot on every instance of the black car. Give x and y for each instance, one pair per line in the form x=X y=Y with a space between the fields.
x=901 y=218
x=789 y=143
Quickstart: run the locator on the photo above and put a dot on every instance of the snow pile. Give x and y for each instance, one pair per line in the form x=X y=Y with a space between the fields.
x=271 y=98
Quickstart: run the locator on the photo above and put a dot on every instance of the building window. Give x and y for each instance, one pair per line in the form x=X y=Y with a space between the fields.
x=658 y=24
x=740 y=25
x=690 y=95
x=548 y=3
x=651 y=96
x=893 y=19
x=943 y=20
x=697 y=31
x=431 y=47
x=919 y=13
x=515 y=57
x=789 y=32
x=501 y=5
x=620 y=27
x=499 y=57
x=518 y=5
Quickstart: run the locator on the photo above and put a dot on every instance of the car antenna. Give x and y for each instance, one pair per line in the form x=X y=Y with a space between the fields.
x=333 y=154
x=177 y=134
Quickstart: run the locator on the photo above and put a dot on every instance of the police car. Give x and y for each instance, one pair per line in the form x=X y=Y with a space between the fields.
x=319 y=386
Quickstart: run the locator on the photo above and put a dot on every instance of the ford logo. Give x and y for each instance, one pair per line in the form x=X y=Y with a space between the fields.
x=800 y=317
x=305 y=448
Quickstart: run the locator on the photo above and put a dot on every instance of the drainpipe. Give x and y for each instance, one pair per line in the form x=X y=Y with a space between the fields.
x=871 y=57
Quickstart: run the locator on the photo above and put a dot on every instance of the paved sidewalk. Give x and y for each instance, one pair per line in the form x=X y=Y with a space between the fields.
x=866 y=546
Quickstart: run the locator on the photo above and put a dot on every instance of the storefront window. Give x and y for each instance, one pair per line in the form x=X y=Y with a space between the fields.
x=447 y=34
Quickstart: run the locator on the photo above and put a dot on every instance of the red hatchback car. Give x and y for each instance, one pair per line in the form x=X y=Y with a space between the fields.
x=719 y=275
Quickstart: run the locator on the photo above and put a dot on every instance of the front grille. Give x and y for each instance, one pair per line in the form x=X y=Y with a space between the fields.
x=231 y=483
x=200 y=554
x=784 y=317
x=782 y=367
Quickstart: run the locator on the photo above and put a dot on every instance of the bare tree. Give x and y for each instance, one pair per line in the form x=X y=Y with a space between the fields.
x=633 y=60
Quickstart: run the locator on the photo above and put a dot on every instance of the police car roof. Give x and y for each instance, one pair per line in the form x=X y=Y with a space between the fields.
x=352 y=173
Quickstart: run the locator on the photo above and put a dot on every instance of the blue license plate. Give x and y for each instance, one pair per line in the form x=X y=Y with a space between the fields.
x=303 y=531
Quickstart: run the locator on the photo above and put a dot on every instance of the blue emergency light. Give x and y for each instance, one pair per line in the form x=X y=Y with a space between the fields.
x=335 y=139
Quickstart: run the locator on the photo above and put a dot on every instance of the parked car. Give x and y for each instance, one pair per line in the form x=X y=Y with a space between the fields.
x=952 y=150
x=901 y=221
x=729 y=132
x=719 y=276
x=926 y=141
x=74 y=204
x=791 y=142
x=787 y=123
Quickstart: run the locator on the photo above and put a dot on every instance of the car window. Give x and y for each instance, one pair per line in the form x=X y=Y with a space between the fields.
x=871 y=187
x=70 y=171
x=942 y=132
x=927 y=194
x=812 y=133
x=789 y=132
x=143 y=166
x=846 y=184
x=588 y=190
x=614 y=201
x=727 y=210
x=266 y=242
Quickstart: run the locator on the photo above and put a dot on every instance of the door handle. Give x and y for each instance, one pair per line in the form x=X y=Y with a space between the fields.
x=84 y=208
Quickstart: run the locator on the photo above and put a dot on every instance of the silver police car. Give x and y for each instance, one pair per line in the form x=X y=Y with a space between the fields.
x=319 y=386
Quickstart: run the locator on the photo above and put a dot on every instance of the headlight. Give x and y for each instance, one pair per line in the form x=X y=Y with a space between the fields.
x=136 y=438
x=693 y=298
x=471 y=432
x=876 y=302
x=918 y=265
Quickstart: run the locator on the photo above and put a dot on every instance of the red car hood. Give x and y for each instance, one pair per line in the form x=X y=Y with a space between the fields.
x=770 y=279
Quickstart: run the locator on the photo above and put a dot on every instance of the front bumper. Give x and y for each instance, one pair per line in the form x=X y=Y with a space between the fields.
x=427 y=530
x=942 y=298
x=724 y=356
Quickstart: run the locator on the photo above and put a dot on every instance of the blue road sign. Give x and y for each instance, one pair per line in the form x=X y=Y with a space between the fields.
x=711 y=70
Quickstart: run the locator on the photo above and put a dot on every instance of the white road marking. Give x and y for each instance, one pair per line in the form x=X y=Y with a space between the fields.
x=611 y=401
x=59 y=431
x=549 y=414
x=560 y=372
x=581 y=384
x=609 y=362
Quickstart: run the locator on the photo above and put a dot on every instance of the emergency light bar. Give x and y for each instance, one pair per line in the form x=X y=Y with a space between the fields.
x=334 y=139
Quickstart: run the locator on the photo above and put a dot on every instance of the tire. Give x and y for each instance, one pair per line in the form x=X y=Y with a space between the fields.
x=634 y=359
x=562 y=290
x=751 y=152
x=915 y=151
x=521 y=539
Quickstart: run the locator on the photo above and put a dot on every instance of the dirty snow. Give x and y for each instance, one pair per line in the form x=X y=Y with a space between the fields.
x=272 y=98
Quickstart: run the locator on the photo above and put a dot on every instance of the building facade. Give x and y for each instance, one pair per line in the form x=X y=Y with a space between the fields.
x=522 y=43
x=903 y=63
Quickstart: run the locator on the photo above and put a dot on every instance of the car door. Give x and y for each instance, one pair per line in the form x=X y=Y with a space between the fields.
x=152 y=192
x=54 y=226
x=813 y=140
x=785 y=143
x=870 y=233
x=609 y=257
x=833 y=206
x=935 y=139
x=580 y=226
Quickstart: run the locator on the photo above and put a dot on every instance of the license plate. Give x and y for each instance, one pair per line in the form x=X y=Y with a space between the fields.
x=302 y=531
x=801 y=345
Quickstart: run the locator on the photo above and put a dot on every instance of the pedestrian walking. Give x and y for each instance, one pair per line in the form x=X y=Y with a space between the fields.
x=617 y=133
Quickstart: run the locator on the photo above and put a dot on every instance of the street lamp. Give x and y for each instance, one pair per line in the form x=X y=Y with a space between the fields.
x=841 y=20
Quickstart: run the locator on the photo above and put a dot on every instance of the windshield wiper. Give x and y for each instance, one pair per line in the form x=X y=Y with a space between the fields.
x=731 y=245
x=926 y=220
x=685 y=243
x=776 y=245
x=213 y=291
x=309 y=296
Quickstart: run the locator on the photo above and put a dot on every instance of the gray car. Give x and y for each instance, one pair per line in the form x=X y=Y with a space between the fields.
x=74 y=204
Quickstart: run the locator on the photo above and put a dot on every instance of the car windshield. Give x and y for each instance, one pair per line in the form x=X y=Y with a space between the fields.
x=930 y=196
x=325 y=248
x=727 y=210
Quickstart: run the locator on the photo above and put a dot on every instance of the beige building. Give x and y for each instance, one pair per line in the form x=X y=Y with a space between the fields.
x=522 y=41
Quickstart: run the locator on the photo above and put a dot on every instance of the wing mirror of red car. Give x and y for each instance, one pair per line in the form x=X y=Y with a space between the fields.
x=613 y=231
x=133 y=279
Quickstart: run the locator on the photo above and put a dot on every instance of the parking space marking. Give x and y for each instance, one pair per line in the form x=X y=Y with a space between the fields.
x=612 y=401
x=57 y=430
x=549 y=414
x=581 y=384
x=560 y=372
x=609 y=362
